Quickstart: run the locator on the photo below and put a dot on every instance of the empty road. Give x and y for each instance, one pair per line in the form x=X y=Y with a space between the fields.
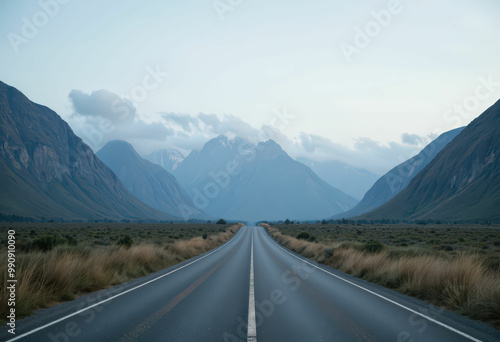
x=249 y=289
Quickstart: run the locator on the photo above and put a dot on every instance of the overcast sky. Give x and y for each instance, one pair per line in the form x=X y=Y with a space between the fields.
x=368 y=82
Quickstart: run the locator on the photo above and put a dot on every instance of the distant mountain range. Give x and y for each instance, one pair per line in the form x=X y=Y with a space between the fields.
x=47 y=171
x=461 y=183
x=169 y=159
x=397 y=179
x=149 y=182
x=353 y=181
x=236 y=180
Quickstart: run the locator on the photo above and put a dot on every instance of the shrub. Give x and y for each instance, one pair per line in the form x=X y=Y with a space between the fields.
x=205 y=236
x=46 y=243
x=221 y=221
x=447 y=248
x=303 y=236
x=125 y=241
x=328 y=252
x=373 y=246
x=71 y=240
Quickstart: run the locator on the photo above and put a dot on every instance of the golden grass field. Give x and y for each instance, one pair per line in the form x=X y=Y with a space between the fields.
x=84 y=258
x=464 y=280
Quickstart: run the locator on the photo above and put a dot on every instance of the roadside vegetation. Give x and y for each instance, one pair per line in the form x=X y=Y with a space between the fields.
x=453 y=266
x=57 y=262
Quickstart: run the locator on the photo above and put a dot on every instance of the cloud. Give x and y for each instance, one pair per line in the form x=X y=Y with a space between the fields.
x=186 y=122
x=102 y=103
x=97 y=111
x=192 y=132
x=366 y=153
x=102 y=116
x=411 y=139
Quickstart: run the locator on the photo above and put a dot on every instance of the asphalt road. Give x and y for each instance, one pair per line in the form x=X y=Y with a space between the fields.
x=211 y=298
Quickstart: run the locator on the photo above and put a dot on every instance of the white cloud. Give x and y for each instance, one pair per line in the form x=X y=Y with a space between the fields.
x=102 y=116
x=411 y=139
x=192 y=132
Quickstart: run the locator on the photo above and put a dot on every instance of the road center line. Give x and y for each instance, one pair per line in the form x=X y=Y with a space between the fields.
x=252 y=326
x=378 y=295
x=122 y=293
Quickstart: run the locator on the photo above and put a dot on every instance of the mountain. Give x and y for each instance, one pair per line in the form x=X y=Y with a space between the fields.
x=168 y=159
x=236 y=180
x=47 y=171
x=353 y=181
x=214 y=156
x=397 y=179
x=147 y=181
x=462 y=183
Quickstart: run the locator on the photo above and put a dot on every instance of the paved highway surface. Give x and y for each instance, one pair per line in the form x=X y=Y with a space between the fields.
x=249 y=289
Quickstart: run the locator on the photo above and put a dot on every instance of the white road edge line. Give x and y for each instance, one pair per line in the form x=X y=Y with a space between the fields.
x=380 y=296
x=118 y=295
x=252 y=325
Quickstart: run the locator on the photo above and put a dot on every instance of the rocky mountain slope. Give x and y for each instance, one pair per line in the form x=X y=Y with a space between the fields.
x=397 y=179
x=147 y=181
x=47 y=171
x=462 y=183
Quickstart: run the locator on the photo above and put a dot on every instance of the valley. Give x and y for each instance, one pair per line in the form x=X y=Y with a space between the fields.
x=246 y=171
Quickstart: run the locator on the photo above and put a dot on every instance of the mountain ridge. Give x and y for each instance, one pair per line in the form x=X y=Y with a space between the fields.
x=147 y=181
x=236 y=180
x=46 y=171
x=353 y=181
x=169 y=159
x=398 y=178
x=462 y=183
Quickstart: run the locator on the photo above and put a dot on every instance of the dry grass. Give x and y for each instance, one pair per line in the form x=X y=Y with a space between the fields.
x=65 y=272
x=463 y=283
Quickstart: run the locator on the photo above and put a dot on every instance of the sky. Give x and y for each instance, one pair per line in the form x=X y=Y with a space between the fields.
x=364 y=82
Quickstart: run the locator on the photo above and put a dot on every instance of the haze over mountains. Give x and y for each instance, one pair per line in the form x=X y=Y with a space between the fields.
x=461 y=183
x=147 y=181
x=169 y=159
x=46 y=171
x=397 y=179
x=234 y=179
x=353 y=181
